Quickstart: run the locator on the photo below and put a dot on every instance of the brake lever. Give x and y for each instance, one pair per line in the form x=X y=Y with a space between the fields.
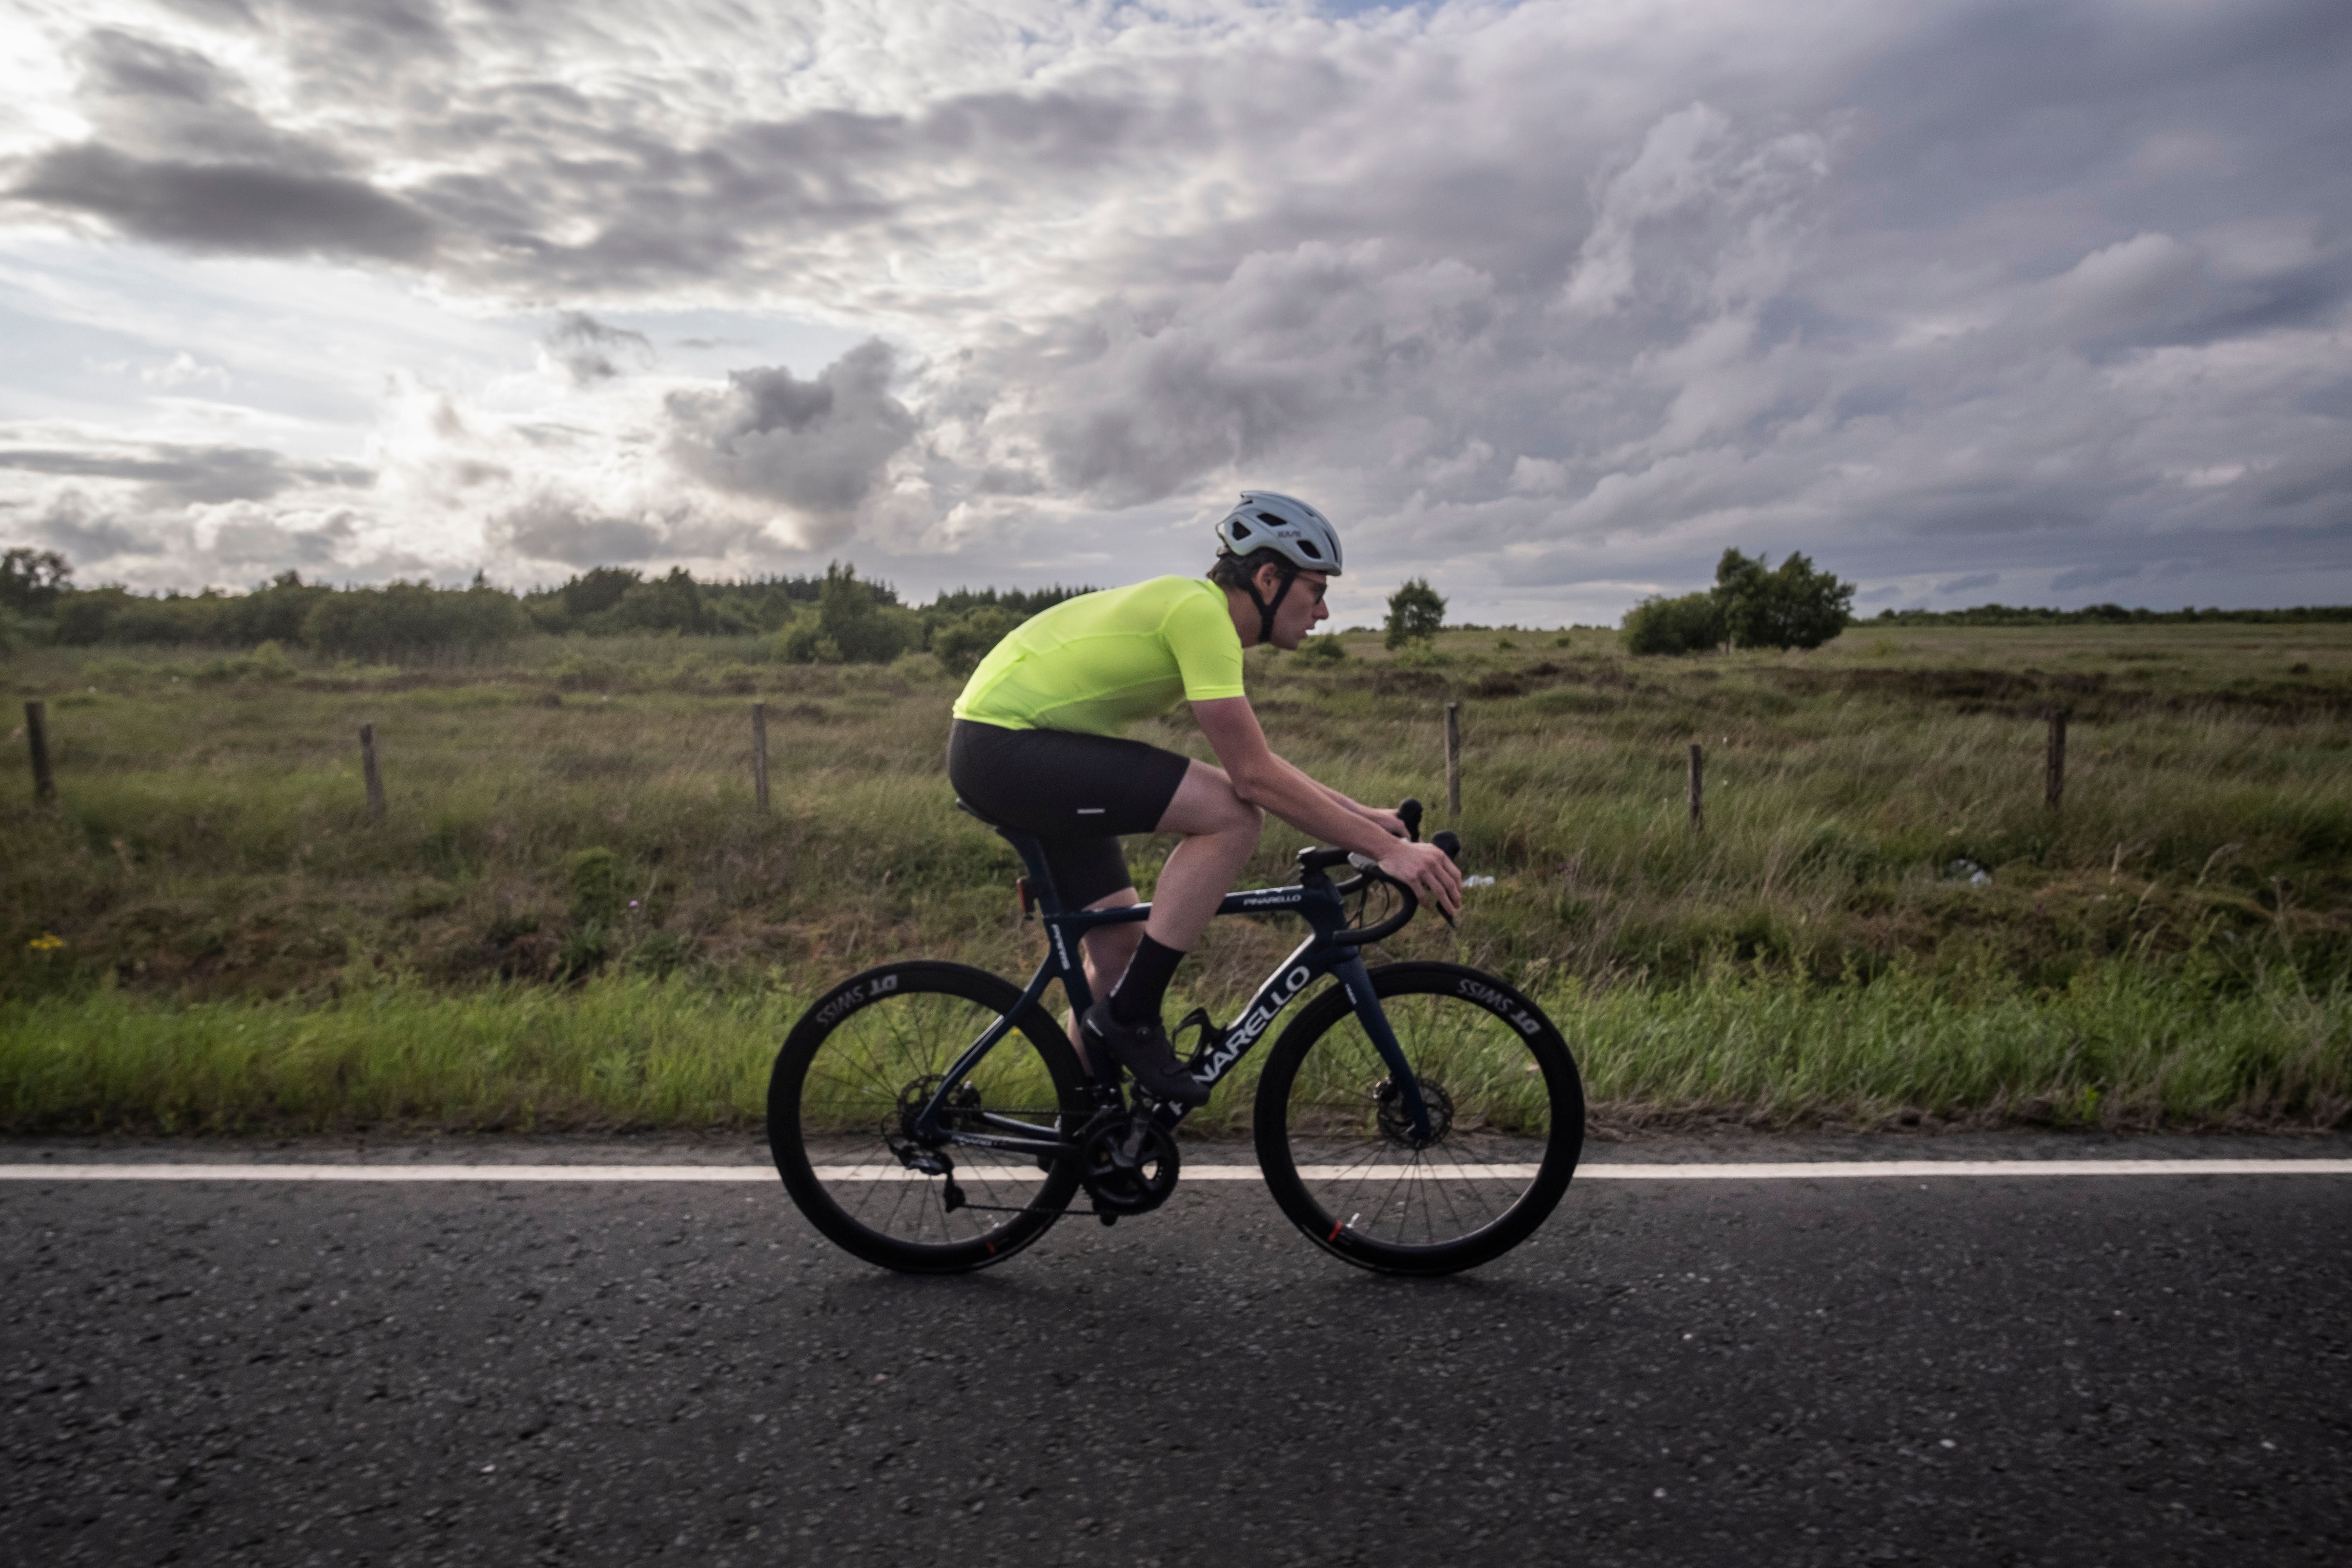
x=1451 y=842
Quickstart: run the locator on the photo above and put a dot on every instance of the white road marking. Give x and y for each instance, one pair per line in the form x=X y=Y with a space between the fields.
x=1817 y=1170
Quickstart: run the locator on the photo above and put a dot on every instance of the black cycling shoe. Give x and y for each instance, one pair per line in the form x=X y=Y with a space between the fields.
x=1144 y=1051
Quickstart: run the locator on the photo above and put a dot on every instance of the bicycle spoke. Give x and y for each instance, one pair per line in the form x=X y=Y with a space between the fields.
x=854 y=1088
x=1461 y=1191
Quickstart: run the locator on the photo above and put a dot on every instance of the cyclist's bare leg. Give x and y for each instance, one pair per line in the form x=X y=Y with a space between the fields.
x=1105 y=951
x=1221 y=832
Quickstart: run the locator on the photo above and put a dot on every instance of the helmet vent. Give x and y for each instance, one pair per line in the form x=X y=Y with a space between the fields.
x=1307 y=545
x=1241 y=530
x=1268 y=519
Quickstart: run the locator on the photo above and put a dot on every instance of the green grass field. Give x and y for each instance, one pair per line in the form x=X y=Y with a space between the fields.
x=573 y=914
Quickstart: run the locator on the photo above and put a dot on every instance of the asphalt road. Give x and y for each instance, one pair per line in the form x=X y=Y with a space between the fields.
x=2131 y=1371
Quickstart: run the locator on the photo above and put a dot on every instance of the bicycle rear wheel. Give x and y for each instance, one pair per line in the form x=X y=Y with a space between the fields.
x=1506 y=1105
x=869 y=1054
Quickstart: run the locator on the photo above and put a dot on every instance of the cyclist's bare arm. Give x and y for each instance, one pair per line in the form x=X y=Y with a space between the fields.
x=1266 y=781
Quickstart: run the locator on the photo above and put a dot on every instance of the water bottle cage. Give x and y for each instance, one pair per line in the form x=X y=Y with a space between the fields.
x=1211 y=1037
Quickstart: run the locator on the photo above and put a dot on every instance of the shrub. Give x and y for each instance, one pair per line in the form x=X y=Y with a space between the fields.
x=1324 y=650
x=961 y=643
x=1415 y=612
x=1687 y=625
x=599 y=886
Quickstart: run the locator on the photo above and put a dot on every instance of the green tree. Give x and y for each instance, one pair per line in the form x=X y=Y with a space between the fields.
x=964 y=641
x=1791 y=606
x=1415 y=613
x=671 y=604
x=853 y=624
x=1690 y=623
x=412 y=619
x=31 y=581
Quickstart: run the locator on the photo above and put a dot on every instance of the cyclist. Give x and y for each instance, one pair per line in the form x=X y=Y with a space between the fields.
x=1037 y=746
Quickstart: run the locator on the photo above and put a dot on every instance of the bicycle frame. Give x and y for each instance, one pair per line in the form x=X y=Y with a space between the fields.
x=1326 y=951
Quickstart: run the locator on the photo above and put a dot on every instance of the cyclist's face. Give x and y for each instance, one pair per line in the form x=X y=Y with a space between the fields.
x=1302 y=609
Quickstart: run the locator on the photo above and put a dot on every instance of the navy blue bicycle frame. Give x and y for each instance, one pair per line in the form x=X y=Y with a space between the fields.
x=1328 y=949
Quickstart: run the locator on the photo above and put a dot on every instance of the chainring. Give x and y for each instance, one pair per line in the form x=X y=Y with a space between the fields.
x=1130 y=1167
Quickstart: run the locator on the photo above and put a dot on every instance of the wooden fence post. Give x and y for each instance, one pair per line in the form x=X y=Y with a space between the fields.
x=368 y=771
x=36 y=735
x=760 y=755
x=1453 y=762
x=1697 y=805
x=2055 y=783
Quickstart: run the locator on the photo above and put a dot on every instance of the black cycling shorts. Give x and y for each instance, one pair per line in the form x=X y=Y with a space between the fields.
x=1077 y=793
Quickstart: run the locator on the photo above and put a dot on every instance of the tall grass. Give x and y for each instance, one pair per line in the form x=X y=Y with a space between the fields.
x=1875 y=847
x=2129 y=1046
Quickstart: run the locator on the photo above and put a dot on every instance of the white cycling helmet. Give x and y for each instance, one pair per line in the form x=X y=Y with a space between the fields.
x=1264 y=521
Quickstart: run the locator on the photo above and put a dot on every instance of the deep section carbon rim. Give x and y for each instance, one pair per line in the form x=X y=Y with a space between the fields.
x=1507 y=1109
x=841 y=1105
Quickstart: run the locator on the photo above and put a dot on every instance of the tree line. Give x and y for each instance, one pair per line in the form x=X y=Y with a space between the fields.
x=830 y=618
x=2110 y=615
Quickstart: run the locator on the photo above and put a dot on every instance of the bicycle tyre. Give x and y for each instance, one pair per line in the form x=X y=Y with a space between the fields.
x=1500 y=1166
x=835 y=1097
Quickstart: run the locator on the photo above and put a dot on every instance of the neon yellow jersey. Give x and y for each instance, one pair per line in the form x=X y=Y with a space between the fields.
x=1098 y=663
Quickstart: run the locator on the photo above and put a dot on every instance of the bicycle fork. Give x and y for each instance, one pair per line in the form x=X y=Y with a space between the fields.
x=1357 y=981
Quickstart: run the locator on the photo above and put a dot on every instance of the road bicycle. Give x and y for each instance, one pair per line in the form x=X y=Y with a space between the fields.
x=1417 y=1117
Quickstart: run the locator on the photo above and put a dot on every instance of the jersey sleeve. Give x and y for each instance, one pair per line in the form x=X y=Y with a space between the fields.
x=1208 y=651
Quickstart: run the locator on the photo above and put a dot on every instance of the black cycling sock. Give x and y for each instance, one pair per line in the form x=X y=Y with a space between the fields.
x=1144 y=986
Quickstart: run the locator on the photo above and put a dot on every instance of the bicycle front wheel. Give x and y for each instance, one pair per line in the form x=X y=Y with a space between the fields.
x=870 y=1054
x=1507 y=1113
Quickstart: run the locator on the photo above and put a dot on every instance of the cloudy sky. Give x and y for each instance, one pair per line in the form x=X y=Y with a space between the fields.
x=2043 y=301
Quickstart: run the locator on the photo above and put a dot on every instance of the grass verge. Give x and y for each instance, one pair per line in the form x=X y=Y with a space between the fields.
x=2129 y=1045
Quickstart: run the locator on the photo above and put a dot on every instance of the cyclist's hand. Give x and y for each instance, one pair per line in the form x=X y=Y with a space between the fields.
x=1429 y=871
x=1388 y=822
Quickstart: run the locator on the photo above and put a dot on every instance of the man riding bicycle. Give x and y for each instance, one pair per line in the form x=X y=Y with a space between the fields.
x=1036 y=745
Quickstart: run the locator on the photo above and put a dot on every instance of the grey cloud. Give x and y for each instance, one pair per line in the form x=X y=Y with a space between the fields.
x=1970 y=583
x=250 y=537
x=819 y=446
x=1141 y=408
x=179 y=476
x=232 y=14
x=554 y=528
x=161 y=99
x=86 y=533
x=591 y=350
x=180 y=156
x=240 y=207
x=2309 y=481
x=2092 y=578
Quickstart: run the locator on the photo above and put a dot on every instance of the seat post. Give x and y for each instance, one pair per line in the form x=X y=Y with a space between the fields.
x=1032 y=851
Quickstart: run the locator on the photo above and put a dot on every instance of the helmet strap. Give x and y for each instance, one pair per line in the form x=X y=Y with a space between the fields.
x=1265 y=610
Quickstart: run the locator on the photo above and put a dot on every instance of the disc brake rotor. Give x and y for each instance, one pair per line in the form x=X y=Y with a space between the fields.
x=1396 y=1121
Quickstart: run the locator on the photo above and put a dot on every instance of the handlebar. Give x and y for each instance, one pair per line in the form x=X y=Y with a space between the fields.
x=1368 y=871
